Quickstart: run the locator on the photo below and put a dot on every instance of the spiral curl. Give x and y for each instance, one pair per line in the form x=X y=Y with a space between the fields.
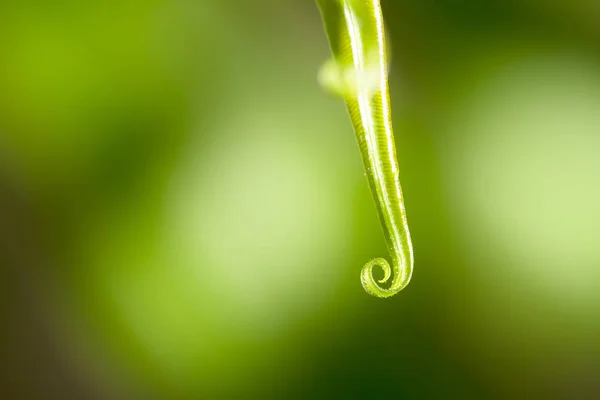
x=370 y=284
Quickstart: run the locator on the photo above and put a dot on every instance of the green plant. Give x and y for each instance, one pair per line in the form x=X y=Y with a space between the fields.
x=358 y=72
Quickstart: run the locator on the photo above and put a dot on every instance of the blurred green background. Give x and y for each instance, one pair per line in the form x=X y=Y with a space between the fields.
x=184 y=213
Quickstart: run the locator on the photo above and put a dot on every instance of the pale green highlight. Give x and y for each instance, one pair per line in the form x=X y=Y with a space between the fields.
x=358 y=73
